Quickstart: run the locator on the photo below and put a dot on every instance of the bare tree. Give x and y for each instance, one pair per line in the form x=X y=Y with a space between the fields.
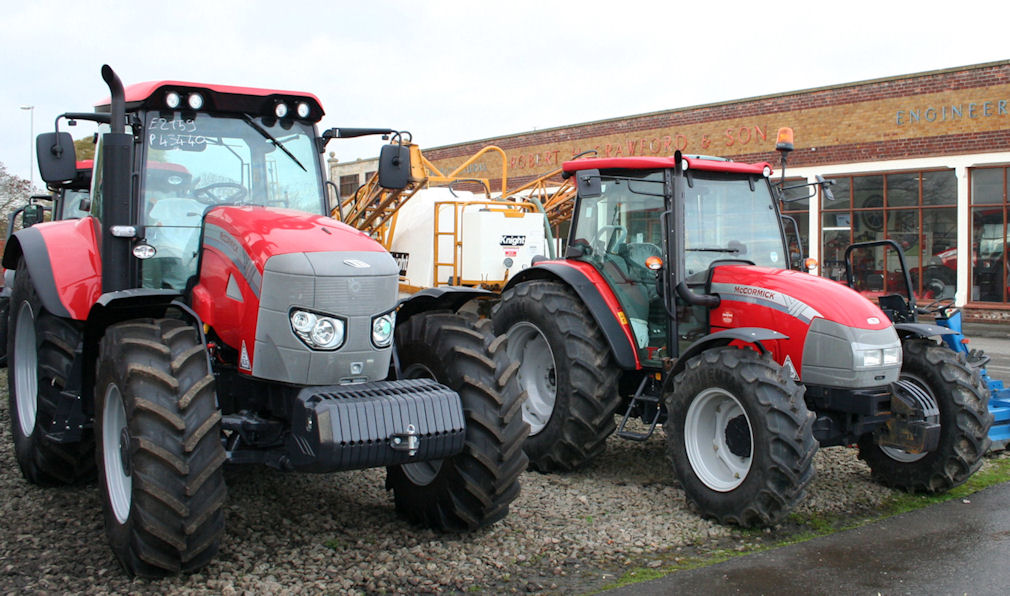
x=14 y=193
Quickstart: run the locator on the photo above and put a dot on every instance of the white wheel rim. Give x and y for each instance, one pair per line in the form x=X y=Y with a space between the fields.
x=713 y=437
x=118 y=484
x=900 y=455
x=26 y=362
x=537 y=373
x=421 y=473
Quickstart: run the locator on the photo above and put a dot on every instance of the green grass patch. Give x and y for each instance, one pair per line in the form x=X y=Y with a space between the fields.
x=995 y=471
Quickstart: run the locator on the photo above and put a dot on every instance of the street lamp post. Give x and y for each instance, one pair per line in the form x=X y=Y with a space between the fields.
x=31 y=148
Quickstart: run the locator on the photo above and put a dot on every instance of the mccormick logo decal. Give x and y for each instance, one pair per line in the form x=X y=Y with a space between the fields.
x=767 y=298
x=513 y=240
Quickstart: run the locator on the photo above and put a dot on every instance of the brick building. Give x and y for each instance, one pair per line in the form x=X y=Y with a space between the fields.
x=921 y=159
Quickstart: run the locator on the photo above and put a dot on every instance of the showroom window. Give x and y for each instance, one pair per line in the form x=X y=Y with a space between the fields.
x=917 y=210
x=988 y=234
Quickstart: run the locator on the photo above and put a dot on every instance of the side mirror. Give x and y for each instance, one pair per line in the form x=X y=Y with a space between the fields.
x=826 y=186
x=56 y=156
x=394 y=166
x=32 y=215
x=588 y=183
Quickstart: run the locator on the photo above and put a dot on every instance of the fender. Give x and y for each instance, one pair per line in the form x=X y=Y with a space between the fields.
x=906 y=330
x=67 y=279
x=113 y=307
x=598 y=298
x=751 y=335
x=440 y=298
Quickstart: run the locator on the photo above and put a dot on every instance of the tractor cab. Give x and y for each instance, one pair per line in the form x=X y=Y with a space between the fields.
x=206 y=146
x=627 y=227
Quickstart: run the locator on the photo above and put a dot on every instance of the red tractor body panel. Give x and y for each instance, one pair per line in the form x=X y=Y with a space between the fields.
x=787 y=301
x=245 y=239
x=72 y=250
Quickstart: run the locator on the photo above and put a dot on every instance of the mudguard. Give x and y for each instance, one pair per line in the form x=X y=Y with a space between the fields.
x=921 y=330
x=751 y=335
x=67 y=278
x=598 y=298
x=440 y=298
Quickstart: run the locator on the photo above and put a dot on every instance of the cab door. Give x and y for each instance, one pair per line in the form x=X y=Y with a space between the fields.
x=616 y=232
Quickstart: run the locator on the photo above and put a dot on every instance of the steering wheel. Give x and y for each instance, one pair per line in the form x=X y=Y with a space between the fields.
x=608 y=236
x=207 y=194
x=935 y=306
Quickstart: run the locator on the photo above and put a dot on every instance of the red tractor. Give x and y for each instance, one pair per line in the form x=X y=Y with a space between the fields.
x=675 y=303
x=207 y=312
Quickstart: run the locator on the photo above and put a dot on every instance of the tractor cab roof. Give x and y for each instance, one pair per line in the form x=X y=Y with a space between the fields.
x=711 y=164
x=219 y=98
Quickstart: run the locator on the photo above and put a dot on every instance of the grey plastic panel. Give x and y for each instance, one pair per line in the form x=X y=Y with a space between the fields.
x=355 y=286
x=829 y=359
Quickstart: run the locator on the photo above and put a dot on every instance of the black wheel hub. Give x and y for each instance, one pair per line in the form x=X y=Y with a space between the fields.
x=124 y=451
x=738 y=437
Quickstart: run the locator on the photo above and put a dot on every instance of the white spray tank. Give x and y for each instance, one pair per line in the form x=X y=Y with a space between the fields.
x=476 y=242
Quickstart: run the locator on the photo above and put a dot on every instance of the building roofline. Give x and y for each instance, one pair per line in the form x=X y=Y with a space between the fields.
x=876 y=81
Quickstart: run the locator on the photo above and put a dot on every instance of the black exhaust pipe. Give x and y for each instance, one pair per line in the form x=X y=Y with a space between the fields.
x=117 y=190
x=117 y=104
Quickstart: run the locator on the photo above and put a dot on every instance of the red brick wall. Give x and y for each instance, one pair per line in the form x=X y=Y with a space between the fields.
x=856 y=122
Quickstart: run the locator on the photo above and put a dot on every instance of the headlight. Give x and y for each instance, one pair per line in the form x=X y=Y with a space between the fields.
x=318 y=331
x=877 y=357
x=172 y=100
x=892 y=356
x=303 y=110
x=195 y=101
x=869 y=358
x=382 y=329
x=281 y=110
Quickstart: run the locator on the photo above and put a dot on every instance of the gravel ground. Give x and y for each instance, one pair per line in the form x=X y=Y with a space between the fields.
x=338 y=533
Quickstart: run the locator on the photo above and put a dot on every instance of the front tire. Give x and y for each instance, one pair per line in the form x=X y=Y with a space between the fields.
x=159 y=456
x=40 y=354
x=961 y=398
x=566 y=370
x=740 y=436
x=474 y=488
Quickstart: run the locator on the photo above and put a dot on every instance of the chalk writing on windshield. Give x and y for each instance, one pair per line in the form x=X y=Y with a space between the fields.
x=176 y=133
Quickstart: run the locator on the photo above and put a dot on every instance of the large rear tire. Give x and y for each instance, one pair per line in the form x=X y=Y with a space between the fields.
x=950 y=387
x=740 y=436
x=40 y=350
x=565 y=368
x=474 y=488
x=160 y=457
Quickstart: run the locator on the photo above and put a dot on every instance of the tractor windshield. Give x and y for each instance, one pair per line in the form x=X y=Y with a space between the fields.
x=195 y=161
x=729 y=217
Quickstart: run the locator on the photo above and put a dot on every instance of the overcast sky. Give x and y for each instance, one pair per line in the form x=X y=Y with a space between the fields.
x=453 y=71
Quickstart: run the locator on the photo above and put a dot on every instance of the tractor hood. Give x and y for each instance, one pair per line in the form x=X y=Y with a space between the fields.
x=795 y=294
x=835 y=336
x=265 y=232
x=259 y=265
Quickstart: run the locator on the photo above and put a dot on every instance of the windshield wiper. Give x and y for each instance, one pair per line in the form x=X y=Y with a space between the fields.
x=729 y=250
x=270 y=137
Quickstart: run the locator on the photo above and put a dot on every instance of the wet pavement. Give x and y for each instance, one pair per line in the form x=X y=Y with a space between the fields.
x=957 y=547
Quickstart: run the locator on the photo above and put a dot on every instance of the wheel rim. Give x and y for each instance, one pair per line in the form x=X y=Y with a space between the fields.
x=719 y=439
x=537 y=373
x=115 y=440
x=421 y=473
x=928 y=403
x=26 y=360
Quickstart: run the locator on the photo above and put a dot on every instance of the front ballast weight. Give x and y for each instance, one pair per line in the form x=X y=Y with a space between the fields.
x=347 y=427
